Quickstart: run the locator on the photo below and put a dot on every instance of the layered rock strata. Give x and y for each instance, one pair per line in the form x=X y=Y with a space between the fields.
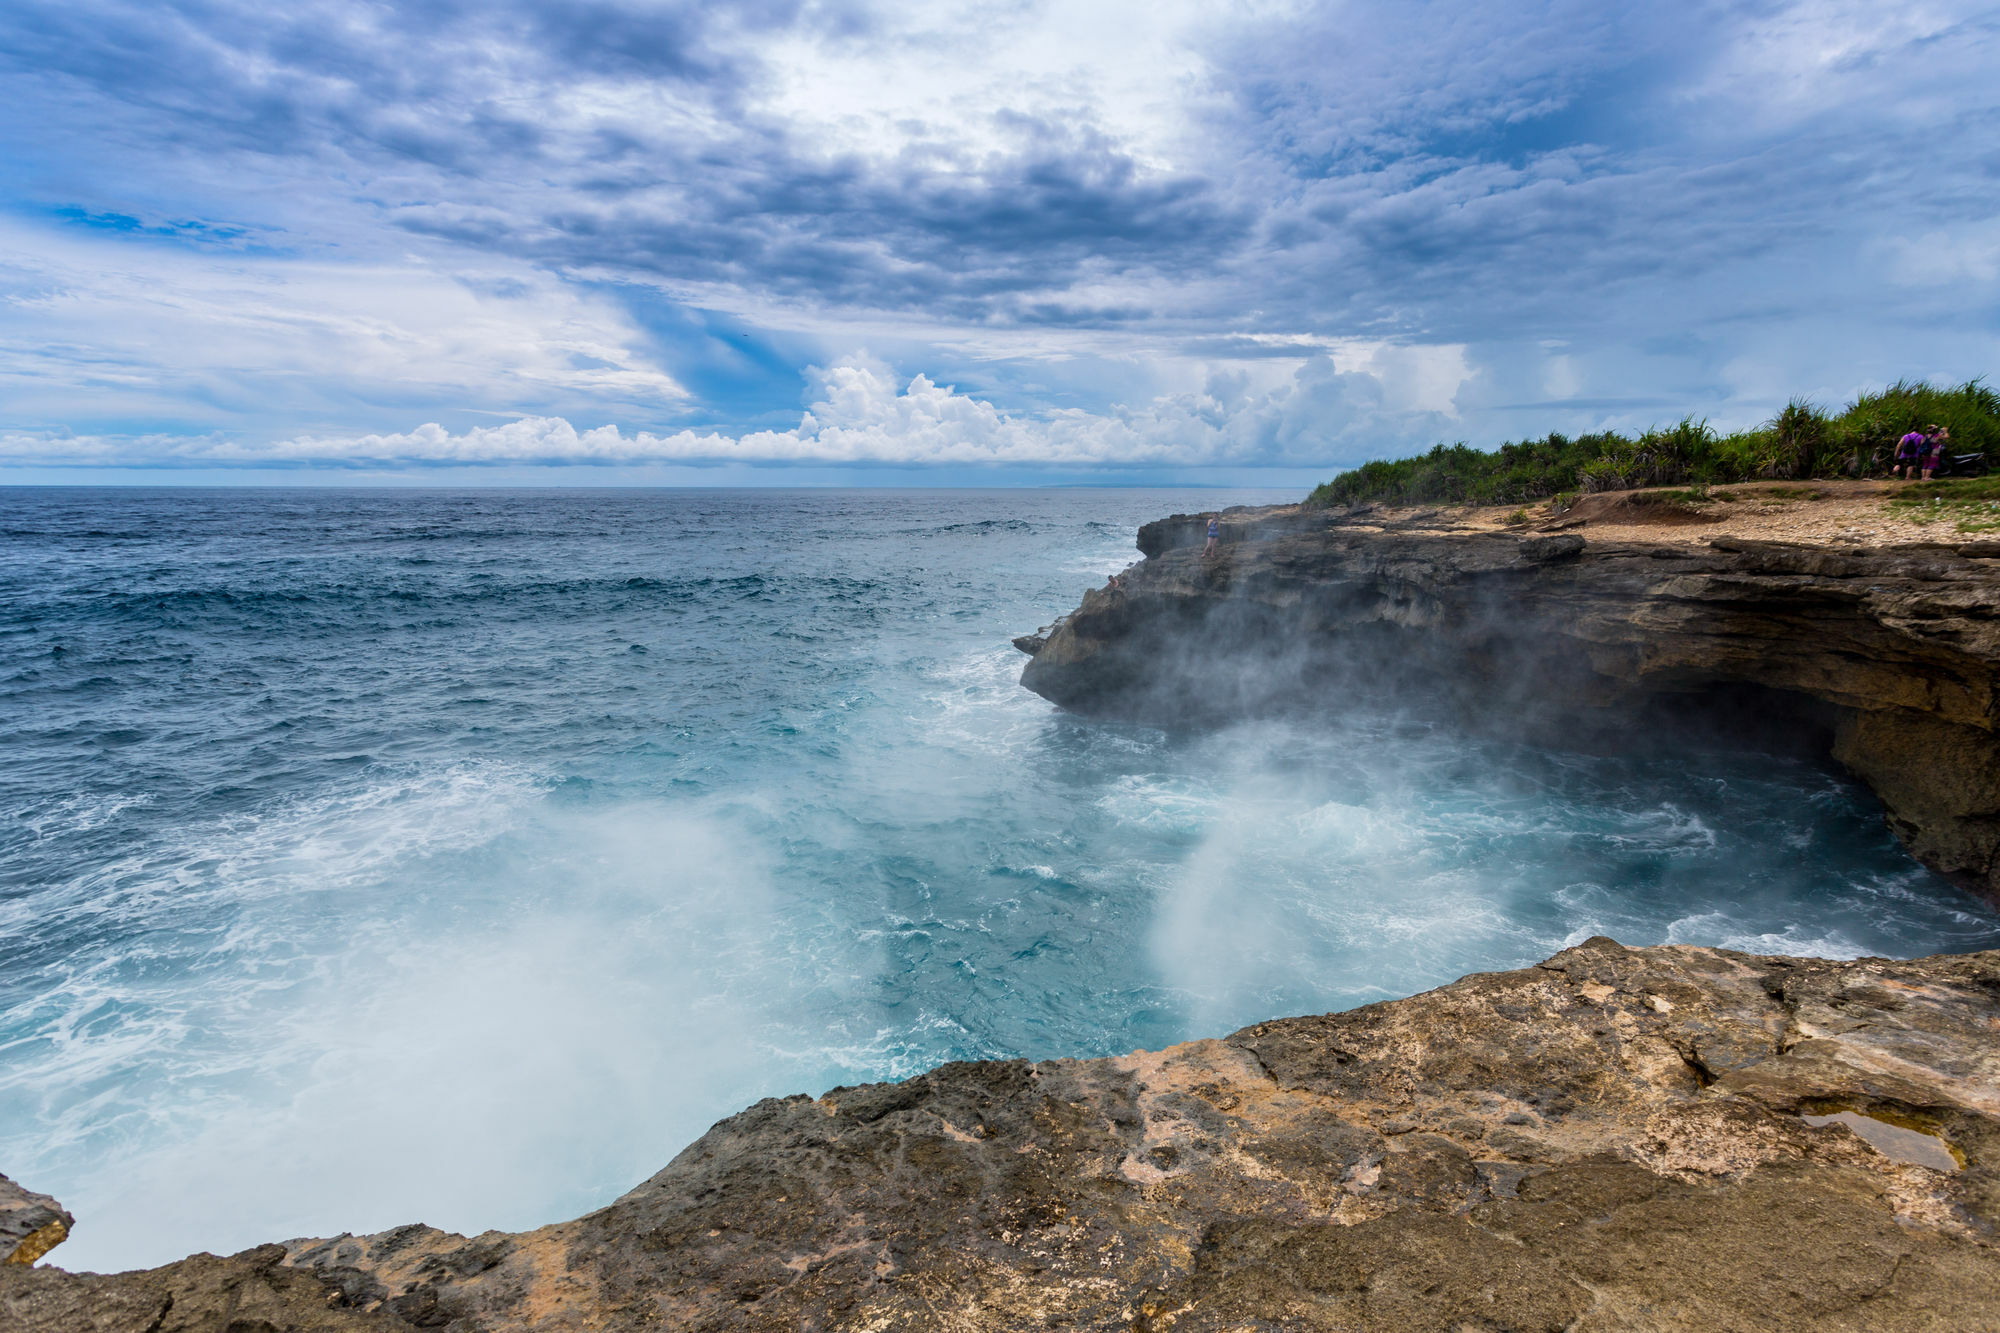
x=1615 y=1139
x=1891 y=655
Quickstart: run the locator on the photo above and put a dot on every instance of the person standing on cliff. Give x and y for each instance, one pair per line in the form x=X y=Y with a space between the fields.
x=1214 y=535
x=1939 y=441
x=1911 y=452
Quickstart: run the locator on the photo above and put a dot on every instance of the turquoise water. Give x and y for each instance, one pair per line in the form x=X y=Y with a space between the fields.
x=458 y=857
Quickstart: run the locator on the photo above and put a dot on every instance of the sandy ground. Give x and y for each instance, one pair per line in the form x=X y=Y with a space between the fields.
x=1833 y=513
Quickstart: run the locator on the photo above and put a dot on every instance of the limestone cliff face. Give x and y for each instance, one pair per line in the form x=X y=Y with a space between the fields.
x=1893 y=652
x=1615 y=1139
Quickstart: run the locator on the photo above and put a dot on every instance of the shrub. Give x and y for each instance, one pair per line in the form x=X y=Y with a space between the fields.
x=1800 y=443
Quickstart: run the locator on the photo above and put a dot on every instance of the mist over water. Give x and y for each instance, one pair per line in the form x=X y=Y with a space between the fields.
x=459 y=857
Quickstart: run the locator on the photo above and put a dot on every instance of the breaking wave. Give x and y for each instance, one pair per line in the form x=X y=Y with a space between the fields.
x=372 y=858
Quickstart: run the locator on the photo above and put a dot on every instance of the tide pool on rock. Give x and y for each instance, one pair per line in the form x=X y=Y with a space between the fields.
x=347 y=828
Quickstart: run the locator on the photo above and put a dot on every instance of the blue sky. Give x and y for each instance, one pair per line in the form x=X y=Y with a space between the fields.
x=991 y=240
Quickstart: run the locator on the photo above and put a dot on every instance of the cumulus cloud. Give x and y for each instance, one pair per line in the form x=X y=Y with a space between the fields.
x=863 y=414
x=1029 y=194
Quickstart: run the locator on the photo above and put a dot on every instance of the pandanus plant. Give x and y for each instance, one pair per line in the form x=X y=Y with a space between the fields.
x=1798 y=434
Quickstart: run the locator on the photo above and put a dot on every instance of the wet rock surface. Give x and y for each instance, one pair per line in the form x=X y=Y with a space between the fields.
x=1892 y=652
x=1613 y=1139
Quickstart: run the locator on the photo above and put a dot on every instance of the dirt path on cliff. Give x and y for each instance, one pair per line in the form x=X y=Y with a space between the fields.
x=1833 y=513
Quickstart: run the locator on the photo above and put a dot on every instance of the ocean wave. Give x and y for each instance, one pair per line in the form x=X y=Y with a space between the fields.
x=358 y=819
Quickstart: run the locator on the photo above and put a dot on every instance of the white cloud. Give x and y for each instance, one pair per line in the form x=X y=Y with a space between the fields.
x=1942 y=258
x=1321 y=415
x=1092 y=207
x=177 y=332
x=1783 y=64
x=951 y=77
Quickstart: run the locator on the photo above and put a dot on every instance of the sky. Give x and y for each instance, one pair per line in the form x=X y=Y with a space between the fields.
x=691 y=241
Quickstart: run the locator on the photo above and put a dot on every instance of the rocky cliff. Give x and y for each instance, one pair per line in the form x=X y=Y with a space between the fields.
x=1616 y=1139
x=30 y=1224
x=1884 y=655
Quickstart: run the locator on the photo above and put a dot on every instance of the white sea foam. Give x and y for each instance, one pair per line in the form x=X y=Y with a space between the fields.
x=482 y=1054
x=982 y=708
x=1718 y=930
x=79 y=812
x=1158 y=804
x=1357 y=832
x=816 y=835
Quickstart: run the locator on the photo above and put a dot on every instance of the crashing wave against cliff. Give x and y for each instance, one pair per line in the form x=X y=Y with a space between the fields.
x=1669 y=1138
x=1884 y=656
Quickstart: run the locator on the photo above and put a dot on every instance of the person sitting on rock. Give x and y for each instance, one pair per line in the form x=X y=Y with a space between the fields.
x=1911 y=452
x=1214 y=535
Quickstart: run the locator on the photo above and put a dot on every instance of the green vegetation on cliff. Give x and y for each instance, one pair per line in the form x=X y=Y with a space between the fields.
x=1803 y=441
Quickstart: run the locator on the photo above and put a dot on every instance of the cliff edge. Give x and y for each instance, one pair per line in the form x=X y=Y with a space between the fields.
x=1614 y=1139
x=1624 y=617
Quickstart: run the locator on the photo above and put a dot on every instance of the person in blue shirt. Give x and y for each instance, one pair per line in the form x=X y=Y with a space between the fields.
x=1214 y=535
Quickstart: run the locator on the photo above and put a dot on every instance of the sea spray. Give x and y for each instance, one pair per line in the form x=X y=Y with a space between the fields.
x=358 y=871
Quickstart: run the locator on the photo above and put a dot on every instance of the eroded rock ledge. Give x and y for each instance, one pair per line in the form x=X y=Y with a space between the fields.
x=31 y=1224
x=1613 y=1139
x=1892 y=652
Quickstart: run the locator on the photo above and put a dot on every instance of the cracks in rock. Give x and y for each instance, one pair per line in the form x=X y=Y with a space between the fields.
x=1262 y=1068
x=160 y=1319
x=1888 y=1283
x=1703 y=1075
x=1777 y=988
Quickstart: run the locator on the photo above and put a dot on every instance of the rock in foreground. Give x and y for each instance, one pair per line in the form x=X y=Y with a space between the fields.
x=1614 y=1139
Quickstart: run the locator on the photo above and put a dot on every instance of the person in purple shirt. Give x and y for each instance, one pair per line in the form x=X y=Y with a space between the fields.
x=1912 y=452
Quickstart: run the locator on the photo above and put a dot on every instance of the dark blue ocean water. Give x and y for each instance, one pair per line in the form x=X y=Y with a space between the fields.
x=369 y=857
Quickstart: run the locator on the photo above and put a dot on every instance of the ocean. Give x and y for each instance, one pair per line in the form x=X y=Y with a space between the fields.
x=379 y=856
